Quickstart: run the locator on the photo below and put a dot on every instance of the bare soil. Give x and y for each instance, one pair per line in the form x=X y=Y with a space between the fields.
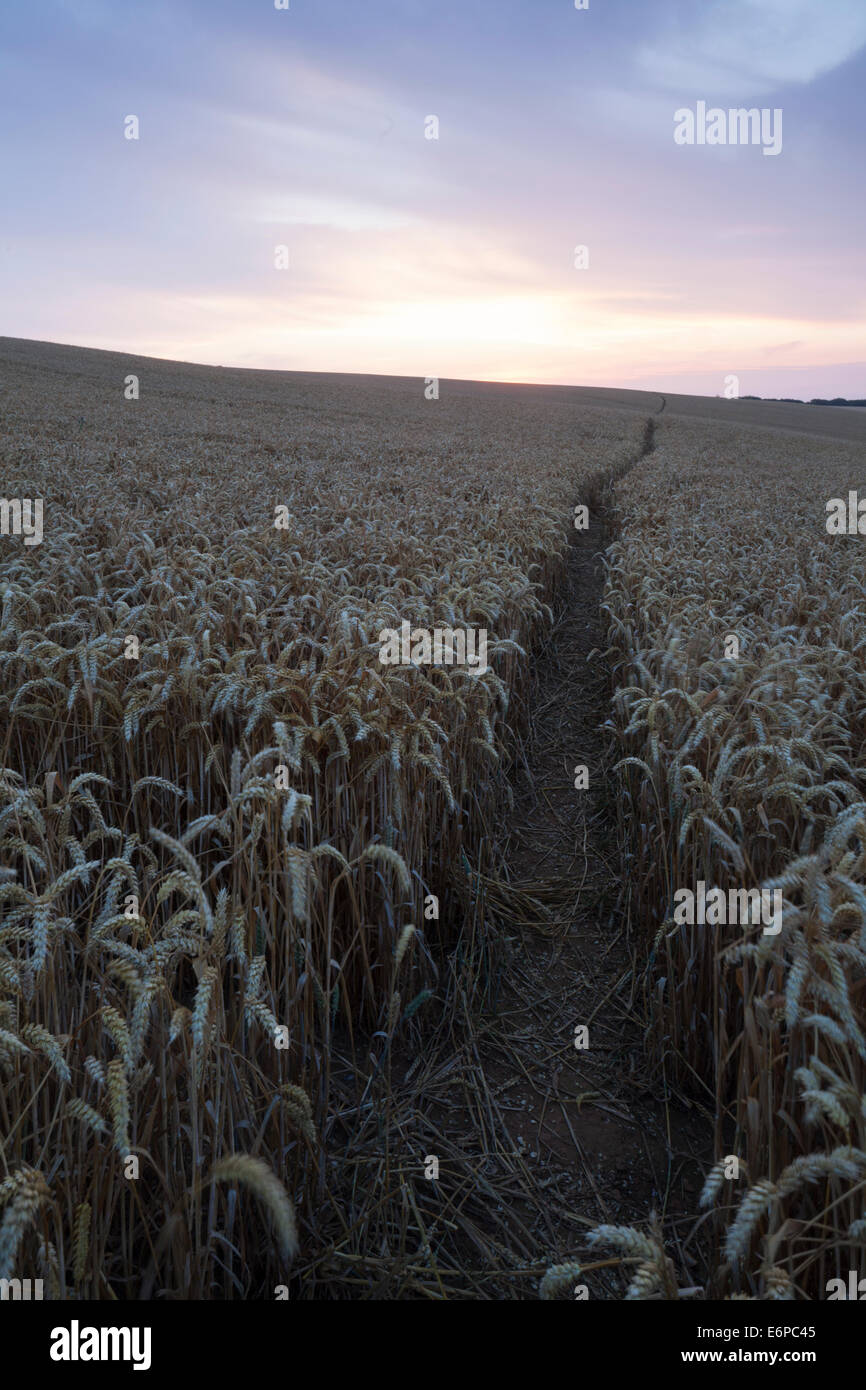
x=543 y=1139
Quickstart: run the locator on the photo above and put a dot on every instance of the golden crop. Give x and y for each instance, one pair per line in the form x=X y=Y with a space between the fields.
x=240 y=827
x=234 y=844
x=748 y=772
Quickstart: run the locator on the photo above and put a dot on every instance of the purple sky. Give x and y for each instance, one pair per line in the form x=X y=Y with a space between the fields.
x=454 y=256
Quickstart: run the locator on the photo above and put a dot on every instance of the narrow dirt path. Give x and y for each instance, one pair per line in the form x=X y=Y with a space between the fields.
x=587 y=1135
x=536 y=1140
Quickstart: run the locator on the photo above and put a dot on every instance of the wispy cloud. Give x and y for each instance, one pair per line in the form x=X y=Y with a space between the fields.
x=306 y=128
x=745 y=47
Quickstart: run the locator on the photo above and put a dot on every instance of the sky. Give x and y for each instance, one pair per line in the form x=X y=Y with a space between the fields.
x=307 y=128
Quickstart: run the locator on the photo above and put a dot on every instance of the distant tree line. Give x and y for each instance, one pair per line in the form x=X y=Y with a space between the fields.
x=795 y=400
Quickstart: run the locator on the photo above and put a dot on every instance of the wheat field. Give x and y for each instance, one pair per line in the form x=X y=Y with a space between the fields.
x=240 y=931
x=229 y=860
x=748 y=773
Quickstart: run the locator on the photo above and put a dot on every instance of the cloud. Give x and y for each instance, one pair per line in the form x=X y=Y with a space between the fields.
x=743 y=47
x=342 y=213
